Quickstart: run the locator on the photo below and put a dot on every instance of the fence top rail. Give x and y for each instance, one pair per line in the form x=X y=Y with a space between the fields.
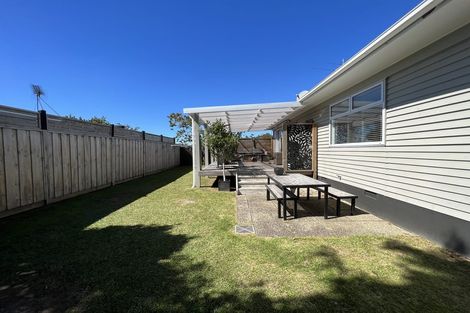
x=22 y=118
x=7 y=109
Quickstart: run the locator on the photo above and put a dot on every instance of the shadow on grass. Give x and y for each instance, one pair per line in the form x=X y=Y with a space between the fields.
x=430 y=283
x=50 y=261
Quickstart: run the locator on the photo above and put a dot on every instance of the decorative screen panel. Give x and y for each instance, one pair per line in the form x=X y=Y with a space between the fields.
x=299 y=147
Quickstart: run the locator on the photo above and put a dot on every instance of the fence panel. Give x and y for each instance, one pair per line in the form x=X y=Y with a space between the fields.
x=41 y=164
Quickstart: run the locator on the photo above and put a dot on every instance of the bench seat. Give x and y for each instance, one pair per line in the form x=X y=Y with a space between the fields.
x=277 y=192
x=339 y=195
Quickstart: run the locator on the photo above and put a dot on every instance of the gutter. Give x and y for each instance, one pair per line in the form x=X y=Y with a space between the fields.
x=410 y=18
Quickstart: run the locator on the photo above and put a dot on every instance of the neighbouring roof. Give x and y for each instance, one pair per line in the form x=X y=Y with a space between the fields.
x=244 y=117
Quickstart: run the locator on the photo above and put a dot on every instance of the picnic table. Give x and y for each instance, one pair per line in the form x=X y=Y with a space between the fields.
x=295 y=180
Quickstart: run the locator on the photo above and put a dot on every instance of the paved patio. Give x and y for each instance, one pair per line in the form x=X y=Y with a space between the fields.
x=254 y=210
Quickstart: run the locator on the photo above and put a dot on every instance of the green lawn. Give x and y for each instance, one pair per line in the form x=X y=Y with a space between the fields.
x=155 y=244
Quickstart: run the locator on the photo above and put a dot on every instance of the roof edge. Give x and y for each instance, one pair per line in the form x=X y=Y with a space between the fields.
x=394 y=30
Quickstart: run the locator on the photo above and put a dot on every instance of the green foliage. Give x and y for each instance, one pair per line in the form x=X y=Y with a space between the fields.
x=99 y=121
x=265 y=136
x=221 y=141
x=261 y=136
x=182 y=123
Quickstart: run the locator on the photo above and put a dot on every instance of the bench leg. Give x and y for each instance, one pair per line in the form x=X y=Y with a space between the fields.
x=279 y=209
x=338 y=206
x=319 y=195
x=325 y=208
x=308 y=193
x=295 y=208
x=284 y=202
x=353 y=205
x=267 y=194
x=298 y=192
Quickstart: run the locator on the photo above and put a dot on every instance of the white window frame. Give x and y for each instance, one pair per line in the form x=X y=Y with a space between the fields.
x=352 y=111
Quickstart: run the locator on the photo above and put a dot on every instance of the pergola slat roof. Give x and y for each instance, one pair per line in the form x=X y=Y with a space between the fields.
x=244 y=117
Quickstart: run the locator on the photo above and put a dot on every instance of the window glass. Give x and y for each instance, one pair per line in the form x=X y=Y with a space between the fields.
x=363 y=126
x=339 y=108
x=369 y=96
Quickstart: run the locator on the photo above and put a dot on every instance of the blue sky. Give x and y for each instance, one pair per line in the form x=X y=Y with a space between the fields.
x=137 y=61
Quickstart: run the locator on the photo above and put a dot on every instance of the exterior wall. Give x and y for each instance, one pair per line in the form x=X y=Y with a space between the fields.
x=452 y=233
x=425 y=162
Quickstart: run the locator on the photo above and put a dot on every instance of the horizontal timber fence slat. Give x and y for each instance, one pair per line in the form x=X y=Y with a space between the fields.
x=54 y=158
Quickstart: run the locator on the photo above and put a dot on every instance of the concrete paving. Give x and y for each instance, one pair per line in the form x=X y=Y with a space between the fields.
x=254 y=210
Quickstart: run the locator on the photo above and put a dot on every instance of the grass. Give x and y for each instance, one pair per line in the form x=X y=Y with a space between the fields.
x=155 y=244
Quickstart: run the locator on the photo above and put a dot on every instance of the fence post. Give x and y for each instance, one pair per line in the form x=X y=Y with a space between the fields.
x=113 y=157
x=42 y=119
x=42 y=123
x=143 y=153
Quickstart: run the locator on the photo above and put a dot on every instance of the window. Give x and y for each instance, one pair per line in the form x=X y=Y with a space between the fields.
x=369 y=96
x=359 y=118
x=339 y=108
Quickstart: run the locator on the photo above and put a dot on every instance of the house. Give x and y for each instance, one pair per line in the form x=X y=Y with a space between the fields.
x=391 y=125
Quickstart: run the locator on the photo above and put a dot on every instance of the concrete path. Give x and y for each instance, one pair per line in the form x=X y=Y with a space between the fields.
x=254 y=210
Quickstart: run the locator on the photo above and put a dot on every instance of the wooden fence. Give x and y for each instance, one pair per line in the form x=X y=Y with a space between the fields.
x=45 y=158
x=251 y=145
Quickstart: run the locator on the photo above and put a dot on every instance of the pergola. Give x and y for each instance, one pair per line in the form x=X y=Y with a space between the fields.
x=239 y=118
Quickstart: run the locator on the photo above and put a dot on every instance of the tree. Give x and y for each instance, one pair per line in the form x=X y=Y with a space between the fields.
x=95 y=119
x=265 y=136
x=182 y=123
x=222 y=142
x=99 y=120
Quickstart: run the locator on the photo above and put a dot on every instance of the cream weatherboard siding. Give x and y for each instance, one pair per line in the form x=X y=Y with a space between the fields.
x=416 y=165
x=425 y=160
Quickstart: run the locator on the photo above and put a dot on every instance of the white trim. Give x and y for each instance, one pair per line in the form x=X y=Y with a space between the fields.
x=360 y=109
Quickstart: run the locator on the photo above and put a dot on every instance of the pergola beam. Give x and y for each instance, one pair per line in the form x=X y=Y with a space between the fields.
x=242 y=107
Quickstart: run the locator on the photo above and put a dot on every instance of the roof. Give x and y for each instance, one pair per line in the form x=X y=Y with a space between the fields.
x=244 y=117
x=426 y=23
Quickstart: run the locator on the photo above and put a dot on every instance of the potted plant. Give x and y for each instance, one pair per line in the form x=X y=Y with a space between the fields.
x=279 y=170
x=223 y=145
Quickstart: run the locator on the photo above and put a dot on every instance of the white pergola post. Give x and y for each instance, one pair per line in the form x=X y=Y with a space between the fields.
x=196 y=152
x=206 y=148
x=277 y=147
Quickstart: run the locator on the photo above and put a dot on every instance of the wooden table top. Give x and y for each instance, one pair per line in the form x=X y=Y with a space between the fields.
x=297 y=180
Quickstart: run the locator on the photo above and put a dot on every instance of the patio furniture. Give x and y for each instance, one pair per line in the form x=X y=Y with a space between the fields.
x=298 y=181
x=278 y=194
x=339 y=195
